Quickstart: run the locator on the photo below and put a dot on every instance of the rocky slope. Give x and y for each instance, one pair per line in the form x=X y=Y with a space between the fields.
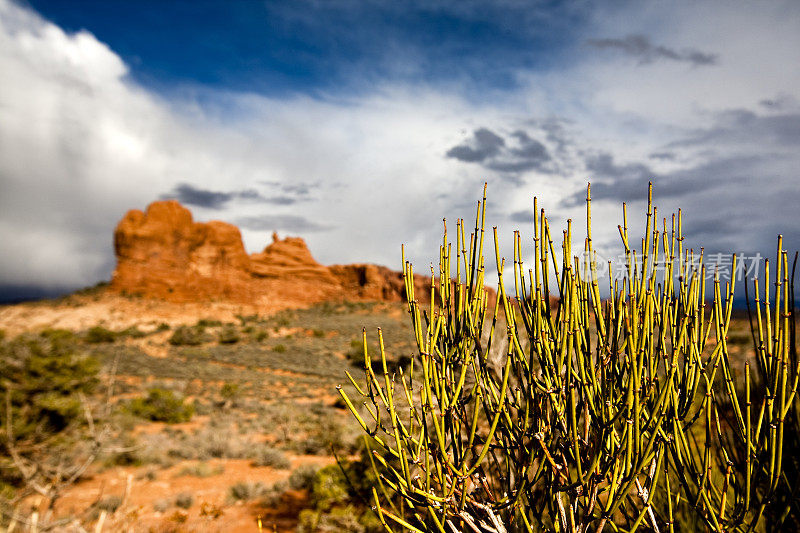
x=163 y=253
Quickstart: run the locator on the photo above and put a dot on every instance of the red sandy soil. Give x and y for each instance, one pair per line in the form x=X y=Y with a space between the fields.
x=211 y=496
x=78 y=312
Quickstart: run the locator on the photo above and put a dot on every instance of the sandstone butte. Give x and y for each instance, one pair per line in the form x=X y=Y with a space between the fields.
x=163 y=253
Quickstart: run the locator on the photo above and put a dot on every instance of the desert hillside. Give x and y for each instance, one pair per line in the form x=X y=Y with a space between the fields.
x=210 y=377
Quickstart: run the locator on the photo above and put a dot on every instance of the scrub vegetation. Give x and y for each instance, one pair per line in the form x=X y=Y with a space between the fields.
x=552 y=408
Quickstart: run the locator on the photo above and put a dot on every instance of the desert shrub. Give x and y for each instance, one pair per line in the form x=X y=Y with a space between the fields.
x=147 y=449
x=273 y=494
x=627 y=407
x=302 y=477
x=57 y=335
x=208 y=323
x=229 y=391
x=201 y=470
x=161 y=505
x=109 y=503
x=43 y=379
x=325 y=432
x=188 y=336
x=150 y=475
x=210 y=510
x=279 y=348
x=740 y=338
x=244 y=319
x=133 y=332
x=163 y=326
x=260 y=335
x=311 y=445
x=161 y=405
x=247 y=490
x=184 y=500
x=229 y=334
x=268 y=456
x=98 y=334
x=210 y=442
x=339 y=520
x=338 y=494
x=329 y=488
x=202 y=408
x=223 y=445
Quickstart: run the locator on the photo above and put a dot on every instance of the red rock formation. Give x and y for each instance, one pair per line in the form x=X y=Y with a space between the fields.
x=164 y=254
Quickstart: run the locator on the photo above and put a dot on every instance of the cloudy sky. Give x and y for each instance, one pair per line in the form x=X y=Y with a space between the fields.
x=358 y=125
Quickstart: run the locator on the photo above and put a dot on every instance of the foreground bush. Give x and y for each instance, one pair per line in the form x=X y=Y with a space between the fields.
x=47 y=431
x=161 y=405
x=588 y=414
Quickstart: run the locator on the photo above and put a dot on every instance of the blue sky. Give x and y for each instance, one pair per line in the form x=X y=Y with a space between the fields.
x=283 y=48
x=359 y=125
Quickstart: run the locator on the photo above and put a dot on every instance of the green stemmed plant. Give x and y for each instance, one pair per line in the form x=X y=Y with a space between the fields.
x=584 y=414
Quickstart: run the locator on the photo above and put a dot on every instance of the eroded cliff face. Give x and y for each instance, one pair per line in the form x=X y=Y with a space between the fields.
x=162 y=253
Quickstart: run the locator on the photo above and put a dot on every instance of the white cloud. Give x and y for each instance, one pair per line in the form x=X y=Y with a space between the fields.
x=80 y=144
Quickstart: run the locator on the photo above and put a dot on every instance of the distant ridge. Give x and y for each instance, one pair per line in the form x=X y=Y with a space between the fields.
x=163 y=253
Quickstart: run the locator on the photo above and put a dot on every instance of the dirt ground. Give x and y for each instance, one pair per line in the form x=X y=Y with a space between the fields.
x=114 y=311
x=212 y=510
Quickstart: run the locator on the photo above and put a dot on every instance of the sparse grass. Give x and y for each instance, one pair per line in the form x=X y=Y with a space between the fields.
x=271 y=457
x=98 y=334
x=110 y=503
x=302 y=477
x=189 y=336
x=132 y=332
x=247 y=490
x=201 y=470
x=273 y=494
x=229 y=334
x=184 y=500
x=161 y=506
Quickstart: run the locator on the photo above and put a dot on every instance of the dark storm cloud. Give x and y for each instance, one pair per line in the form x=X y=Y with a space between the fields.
x=603 y=165
x=744 y=126
x=627 y=182
x=780 y=102
x=297 y=191
x=284 y=222
x=523 y=216
x=642 y=49
x=556 y=133
x=191 y=195
x=513 y=155
x=663 y=156
x=484 y=144
x=530 y=149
